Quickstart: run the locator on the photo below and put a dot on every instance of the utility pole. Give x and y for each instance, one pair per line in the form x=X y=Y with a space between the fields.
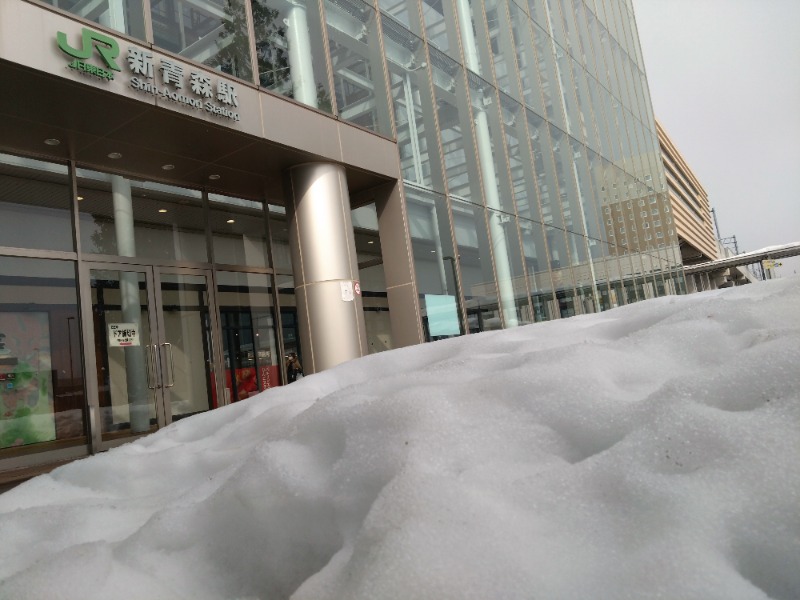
x=716 y=225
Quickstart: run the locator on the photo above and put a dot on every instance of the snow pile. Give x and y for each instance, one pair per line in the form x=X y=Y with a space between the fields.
x=652 y=451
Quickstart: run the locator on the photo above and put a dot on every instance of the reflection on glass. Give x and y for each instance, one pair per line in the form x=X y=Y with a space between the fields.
x=211 y=32
x=238 y=231
x=357 y=64
x=440 y=25
x=42 y=392
x=133 y=218
x=561 y=272
x=534 y=250
x=519 y=159
x=489 y=141
x=249 y=342
x=290 y=327
x=126 y=16
x=186 y=355
x=372 y=279
x=435 y=264
x=404 y=12
x=126 y=367
x=508 y=266
x=549 y=196
x=455 y=127
x=547 y=76
x=526 y=58
x=502 y=46
x=475 y=262
x=279 y=234
x=413 y=111
x=290 y=52
x=34 y=204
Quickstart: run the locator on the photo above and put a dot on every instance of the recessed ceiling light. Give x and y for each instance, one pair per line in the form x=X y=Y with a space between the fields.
x=214 y=176
x=371 y=242
x=52 y=142
x=114 y=155
x=80 y=197
x=230 y=221
x=168 y=167
x=162 y=210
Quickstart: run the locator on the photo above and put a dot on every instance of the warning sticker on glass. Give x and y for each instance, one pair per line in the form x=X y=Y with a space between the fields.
x=123 y=335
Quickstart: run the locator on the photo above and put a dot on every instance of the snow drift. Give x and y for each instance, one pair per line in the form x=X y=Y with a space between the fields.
x=647 y=452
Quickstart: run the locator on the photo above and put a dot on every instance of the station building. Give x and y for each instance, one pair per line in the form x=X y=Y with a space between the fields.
x=690 y=205
x=191 y=190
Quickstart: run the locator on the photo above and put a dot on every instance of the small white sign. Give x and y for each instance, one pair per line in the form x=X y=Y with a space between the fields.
x=347 y=291
x=123 y=335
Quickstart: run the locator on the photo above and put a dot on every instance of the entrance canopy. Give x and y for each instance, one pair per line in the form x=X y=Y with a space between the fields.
x=52 y=116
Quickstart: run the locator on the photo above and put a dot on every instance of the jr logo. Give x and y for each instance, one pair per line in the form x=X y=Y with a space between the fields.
x=107 y=48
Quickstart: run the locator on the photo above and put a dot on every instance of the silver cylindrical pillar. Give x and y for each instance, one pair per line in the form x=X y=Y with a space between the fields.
x=300 y=66
x=114 y=17
x=329 y=306
x=138 y=401
x=497 y=230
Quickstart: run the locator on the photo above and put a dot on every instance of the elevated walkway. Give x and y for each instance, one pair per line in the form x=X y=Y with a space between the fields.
x=747 y=258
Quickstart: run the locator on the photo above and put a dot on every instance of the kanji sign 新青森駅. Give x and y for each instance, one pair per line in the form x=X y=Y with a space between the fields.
x=216 y=96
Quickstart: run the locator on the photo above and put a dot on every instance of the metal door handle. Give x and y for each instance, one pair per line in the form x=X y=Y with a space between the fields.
x=171 y=367
x=150 y=366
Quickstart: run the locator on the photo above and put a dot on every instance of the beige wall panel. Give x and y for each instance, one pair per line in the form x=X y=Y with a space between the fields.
x=368 y=151
x=299 y=127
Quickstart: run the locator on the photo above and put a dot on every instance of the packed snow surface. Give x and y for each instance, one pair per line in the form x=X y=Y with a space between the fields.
x=652 y=451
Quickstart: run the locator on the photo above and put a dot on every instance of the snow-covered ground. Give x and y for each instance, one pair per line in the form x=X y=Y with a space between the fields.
x=652 y=451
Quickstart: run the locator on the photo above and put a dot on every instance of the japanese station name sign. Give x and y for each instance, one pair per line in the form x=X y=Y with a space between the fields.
x=199 y=90
x=123 y=335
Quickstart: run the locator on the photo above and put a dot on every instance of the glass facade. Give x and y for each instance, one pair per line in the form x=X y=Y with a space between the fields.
x=185 y=274
x=533 y=118
x=42 y=391
x=531 y=187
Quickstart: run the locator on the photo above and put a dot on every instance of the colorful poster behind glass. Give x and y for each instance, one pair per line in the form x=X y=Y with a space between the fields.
x=26 y=390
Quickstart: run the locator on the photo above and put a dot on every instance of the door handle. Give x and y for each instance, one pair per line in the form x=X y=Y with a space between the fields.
x=151 y=367
x=171 y=366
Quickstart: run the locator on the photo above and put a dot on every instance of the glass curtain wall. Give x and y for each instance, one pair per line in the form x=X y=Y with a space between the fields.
x=537 y=114
x=238 y=231
x=211 y=32
x=372 y=279
x=436 y=264
x=557 y=137
x=42 y=390
x=357 y=64
x=125 y=16
x=249 y=334
x=124 y=217
x=34 y=204
x=173 y=244
x=290 y=51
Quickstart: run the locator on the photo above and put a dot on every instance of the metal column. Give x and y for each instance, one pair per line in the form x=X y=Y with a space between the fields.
x=330 y=309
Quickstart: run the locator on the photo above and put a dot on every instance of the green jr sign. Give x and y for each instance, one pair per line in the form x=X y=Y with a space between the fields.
x=106 y=47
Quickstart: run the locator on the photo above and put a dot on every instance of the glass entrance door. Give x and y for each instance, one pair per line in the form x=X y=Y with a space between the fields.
x=184 y=318
x=152 y=348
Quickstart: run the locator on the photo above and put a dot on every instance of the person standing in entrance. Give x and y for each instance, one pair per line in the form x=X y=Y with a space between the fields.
x=294 y=369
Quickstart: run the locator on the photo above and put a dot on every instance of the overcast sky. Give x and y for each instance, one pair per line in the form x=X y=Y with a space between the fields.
x=725 y=80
